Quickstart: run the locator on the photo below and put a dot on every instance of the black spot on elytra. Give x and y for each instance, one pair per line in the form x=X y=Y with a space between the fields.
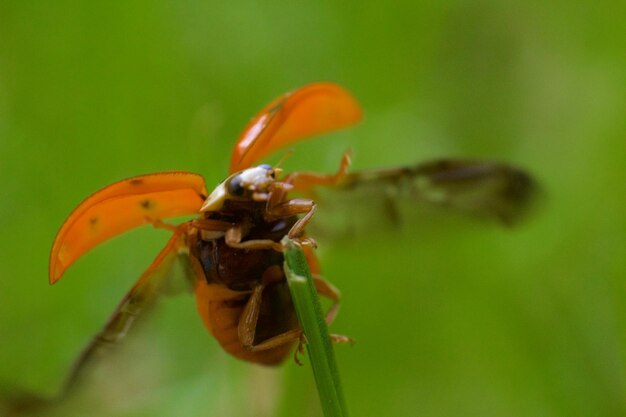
x=146 y=204
x=135 y=181
x=93 y=221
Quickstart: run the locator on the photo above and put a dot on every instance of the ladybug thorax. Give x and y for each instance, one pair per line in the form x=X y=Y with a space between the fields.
x=241 y=269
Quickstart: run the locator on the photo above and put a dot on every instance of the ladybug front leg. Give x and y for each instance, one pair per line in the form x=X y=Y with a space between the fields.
x=278 y=207
x=235 y=234
x=304 y=181
x=292 y=208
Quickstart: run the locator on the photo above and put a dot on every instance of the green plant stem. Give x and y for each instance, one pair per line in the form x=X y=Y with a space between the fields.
x=311 y=317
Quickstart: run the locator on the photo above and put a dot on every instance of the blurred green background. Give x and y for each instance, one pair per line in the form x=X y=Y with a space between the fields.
x=452 y=317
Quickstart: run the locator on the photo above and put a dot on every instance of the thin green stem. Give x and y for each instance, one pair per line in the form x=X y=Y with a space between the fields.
x=313 y=324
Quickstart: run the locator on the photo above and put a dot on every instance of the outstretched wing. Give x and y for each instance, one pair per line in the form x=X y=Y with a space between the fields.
x=123 y=206
x=153 y=283
x=480 y=188
x=315 y=108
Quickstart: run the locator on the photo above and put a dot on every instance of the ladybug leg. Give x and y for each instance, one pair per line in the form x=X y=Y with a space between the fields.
x=160 y=224
x=210 y=229
x=328 y=290
x=299 y=351
x=290 y=208
x=249 y=318
x=339 y=338
x=304 y=181
x=278 y=207
x=248 y=322
x=235 y=234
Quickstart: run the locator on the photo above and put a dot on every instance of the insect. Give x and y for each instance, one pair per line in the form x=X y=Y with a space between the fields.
x=232 y=249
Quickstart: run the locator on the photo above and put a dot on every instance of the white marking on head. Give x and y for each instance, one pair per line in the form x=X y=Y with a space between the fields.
x=255 y=178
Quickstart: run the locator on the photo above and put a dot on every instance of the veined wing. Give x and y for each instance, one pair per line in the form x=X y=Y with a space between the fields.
x=479 y=188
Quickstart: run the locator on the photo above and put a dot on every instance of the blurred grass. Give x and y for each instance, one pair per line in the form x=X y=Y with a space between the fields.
x=452 y=317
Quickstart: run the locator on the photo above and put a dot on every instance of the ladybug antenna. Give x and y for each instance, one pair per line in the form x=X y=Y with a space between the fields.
x=283 y=159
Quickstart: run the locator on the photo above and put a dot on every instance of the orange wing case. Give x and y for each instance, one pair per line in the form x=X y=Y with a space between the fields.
x=315 y=108
x=123 y=206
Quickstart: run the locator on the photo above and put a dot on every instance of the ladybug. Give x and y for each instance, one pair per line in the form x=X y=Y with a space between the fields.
x=231 y=248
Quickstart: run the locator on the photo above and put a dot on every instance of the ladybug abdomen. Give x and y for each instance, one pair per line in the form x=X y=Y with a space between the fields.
x=221 y=310
x=230 y=274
